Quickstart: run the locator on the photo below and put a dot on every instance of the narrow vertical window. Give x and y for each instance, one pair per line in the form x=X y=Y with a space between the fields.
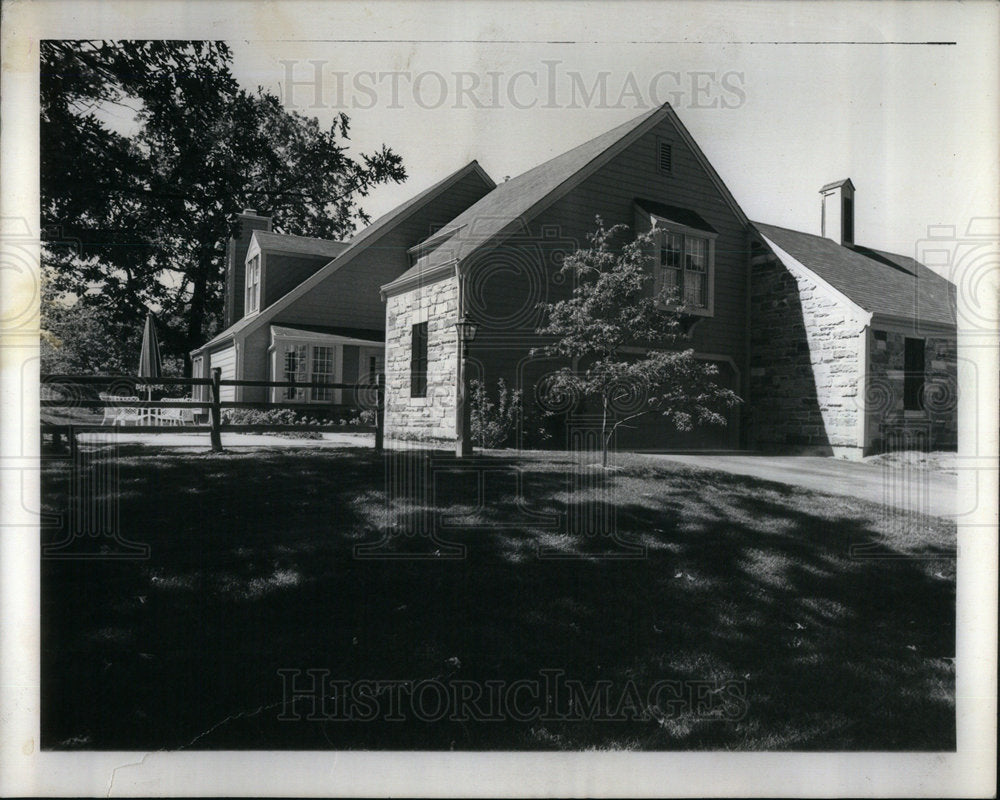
x=418 y=360
x=695 y=271
x=253 y=285
x=913 y=374
x=322 y=372
x=295 y=370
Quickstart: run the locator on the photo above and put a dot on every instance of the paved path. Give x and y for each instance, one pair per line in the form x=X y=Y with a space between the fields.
x=926 y=491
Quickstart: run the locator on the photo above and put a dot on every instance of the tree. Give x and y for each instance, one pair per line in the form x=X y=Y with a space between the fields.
x=152 y=205
x=84 y=338
x=612 y=312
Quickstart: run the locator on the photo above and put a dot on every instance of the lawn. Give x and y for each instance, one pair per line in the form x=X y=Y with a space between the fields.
x=725 y=612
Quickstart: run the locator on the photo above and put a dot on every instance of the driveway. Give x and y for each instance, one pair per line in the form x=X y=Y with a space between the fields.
x=911 y=489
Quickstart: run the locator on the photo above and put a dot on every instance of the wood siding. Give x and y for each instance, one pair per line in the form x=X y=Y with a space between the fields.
x=351 y=296
x=226 y=361
x=283 y=272
x=505 y=285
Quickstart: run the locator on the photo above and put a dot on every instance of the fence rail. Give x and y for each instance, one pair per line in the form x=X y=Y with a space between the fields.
x=214 y=405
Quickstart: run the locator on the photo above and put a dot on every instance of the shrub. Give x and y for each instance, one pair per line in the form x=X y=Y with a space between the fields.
x=494 y=423
x=271 y=416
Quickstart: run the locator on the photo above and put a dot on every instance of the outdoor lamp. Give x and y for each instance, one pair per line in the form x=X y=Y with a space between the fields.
x=466 y=330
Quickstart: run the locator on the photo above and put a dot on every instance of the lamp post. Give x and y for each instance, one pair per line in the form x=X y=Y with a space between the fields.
x=466 y=330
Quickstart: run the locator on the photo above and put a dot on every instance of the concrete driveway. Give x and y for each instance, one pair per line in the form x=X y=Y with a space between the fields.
x=911 y=489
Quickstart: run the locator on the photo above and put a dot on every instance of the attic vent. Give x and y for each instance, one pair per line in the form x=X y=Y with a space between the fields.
x=664 y=157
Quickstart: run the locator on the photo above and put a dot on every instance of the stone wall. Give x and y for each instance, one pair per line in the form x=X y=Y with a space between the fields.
x=804 y=365
x=890 y=426
x=430 y=418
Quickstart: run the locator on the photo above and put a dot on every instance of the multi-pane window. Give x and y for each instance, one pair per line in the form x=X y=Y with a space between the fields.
x=295 y=369
x=913 y=374
x=418 y=360
x=322 y=372
x=253 y=285
x=684 y=267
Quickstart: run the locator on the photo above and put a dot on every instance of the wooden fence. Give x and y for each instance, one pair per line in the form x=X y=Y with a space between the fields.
x=214 y=405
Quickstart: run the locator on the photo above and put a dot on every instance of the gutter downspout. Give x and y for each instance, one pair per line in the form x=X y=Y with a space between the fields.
x=460 y=370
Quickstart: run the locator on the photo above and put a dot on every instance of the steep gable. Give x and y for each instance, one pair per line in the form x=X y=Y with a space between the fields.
x=374 y=255
x=515 y=202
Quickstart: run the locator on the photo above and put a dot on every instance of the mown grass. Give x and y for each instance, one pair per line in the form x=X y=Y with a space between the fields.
x=742 y=589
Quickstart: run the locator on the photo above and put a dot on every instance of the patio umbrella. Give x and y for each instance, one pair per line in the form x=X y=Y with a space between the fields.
x=149 y=357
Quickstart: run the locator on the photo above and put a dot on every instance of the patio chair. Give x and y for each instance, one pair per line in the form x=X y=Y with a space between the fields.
x=187 y=414
x=128 y=415
x=110 y=412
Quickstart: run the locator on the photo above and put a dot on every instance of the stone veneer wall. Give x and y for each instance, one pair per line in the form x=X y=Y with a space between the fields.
x=936 y=427
x=804 y=365
x=430 y=418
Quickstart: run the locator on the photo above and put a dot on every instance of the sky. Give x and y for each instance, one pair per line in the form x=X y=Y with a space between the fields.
x=778 y=113
x=782 y=97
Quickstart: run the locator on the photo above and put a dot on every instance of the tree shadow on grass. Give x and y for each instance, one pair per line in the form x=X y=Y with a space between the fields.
x=745 y=606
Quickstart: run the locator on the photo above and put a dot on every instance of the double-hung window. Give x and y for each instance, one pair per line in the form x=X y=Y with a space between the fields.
x=252 y=285
x=296 y=370
x=322 y=371
x=685 y=268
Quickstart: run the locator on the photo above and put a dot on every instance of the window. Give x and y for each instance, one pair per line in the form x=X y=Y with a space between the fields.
x=684 y=268
x=253 y=285
x=913 y=374
x=295 y=370
x=418 y=360
x=664 y=157
x=322 y=372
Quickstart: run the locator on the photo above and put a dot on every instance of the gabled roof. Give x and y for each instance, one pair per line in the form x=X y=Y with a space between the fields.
x=879 y=282
x=508 y=207
x=303 y=245
x=354 y=246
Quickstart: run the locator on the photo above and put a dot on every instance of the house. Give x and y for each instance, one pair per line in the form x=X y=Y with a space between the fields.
x=308 y=310
x=835 y=348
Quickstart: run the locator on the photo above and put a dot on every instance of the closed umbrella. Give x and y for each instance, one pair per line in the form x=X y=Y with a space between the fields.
x=149 y=358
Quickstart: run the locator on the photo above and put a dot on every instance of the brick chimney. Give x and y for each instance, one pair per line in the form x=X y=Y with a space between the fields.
x=236 y=254
x=837 y=220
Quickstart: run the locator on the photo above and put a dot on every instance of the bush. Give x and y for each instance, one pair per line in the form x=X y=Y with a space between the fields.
x=494 y=424
x=271 y=416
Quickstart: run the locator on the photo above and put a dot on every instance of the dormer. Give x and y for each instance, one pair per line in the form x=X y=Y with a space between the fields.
x=837 y=212
x=276 y=263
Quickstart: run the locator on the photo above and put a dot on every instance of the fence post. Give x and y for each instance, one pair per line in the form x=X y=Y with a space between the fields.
x=216 y=411
x=379 y=412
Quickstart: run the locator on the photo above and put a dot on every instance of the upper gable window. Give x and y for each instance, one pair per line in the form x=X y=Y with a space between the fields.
x=686 y=268
x=252 y=285
x=664 y=157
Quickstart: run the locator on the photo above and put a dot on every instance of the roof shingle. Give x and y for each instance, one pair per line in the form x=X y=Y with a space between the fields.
x=878 y=281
